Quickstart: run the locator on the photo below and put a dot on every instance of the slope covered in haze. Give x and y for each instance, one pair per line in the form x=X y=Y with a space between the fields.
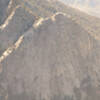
x=91 y=7
x=54 y=62
x=49 y=51
x=44 y=9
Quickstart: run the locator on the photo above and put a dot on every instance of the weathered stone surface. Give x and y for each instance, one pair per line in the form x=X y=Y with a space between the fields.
x=58 y=60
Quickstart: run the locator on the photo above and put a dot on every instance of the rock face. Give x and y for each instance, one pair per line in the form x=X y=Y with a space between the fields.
x=58 y=57
x=57 y=60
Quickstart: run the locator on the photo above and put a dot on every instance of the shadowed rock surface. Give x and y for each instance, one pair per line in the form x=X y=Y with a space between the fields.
x=56 y=61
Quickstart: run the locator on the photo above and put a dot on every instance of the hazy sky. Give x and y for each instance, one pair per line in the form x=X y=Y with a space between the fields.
x=89 y=6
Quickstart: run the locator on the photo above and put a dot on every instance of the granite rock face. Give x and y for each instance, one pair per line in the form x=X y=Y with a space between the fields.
x=56 y=61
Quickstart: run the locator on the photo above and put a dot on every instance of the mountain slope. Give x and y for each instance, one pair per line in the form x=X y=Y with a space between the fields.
x=44 y=8
x=54 y=62
x=91 y=7
x=49 y=51
x=89 y=23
